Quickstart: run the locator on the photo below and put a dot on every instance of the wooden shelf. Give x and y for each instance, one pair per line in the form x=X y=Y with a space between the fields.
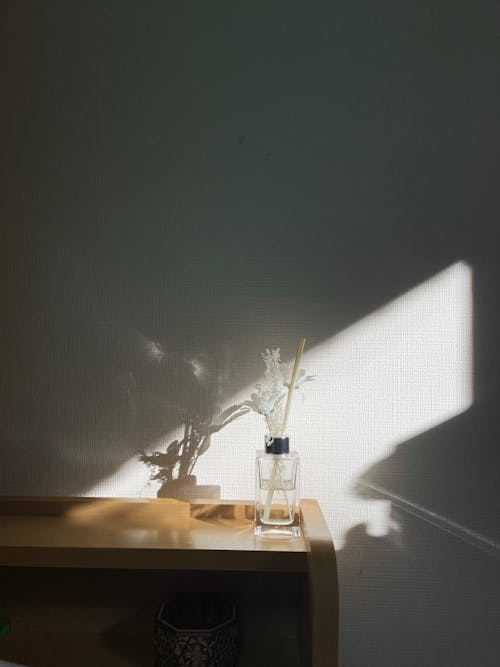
x=81 y=578
x=140 y=534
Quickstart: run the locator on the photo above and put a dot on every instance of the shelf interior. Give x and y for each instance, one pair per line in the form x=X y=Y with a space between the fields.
x=101 y=617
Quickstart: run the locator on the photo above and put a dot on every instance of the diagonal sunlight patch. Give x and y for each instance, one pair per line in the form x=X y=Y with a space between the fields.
x=391 y=376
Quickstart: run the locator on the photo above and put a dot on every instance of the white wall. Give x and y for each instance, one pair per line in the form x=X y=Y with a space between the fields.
x=184 y=185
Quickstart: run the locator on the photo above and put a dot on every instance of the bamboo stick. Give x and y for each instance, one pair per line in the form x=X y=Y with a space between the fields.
x=296 y=367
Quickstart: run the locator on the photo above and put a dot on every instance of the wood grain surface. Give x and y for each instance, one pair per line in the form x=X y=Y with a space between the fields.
x=199 y=541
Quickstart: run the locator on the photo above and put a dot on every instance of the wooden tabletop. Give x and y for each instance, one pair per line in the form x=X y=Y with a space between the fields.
x=143 y=534
x=166 y=534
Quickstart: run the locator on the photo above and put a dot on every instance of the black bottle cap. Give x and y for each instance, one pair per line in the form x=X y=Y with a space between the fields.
x=277 y=445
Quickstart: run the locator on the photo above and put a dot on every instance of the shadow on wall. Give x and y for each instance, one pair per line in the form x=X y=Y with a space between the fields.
x=428 y=592
x=431 y=587
x=173 y=468
x=98 y=401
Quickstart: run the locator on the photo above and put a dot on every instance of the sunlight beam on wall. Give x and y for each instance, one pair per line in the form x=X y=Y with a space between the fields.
x=396 y=373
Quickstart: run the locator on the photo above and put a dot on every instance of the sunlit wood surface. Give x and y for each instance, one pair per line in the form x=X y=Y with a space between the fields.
x=142 y=533
x=81 y=578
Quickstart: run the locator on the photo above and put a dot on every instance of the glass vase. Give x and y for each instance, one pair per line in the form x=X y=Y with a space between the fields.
x=277 y=490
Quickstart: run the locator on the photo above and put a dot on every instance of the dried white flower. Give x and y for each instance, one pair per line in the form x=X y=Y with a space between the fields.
x=301 y=378
x=268 y=400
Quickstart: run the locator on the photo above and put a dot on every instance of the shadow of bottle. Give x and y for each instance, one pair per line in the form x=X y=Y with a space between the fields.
x=434 y=577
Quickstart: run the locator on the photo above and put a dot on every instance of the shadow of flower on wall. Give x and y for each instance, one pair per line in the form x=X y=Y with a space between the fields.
x=174 y=467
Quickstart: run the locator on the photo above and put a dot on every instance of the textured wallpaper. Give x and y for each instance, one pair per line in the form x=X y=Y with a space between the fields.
x=391 y=376
x=184 y=185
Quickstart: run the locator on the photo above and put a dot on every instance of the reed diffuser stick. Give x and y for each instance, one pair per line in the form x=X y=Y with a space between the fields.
x=296 y=366
x=276 y=465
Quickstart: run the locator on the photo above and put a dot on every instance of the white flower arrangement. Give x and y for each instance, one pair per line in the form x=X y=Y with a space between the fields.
x=269 y=399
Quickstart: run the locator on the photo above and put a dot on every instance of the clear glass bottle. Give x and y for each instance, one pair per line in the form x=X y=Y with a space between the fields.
x=277 y=490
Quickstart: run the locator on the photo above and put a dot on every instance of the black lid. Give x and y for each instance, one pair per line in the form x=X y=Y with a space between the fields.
x=277 y=445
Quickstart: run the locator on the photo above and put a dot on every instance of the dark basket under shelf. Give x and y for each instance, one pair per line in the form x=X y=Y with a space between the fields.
x=196 y=631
